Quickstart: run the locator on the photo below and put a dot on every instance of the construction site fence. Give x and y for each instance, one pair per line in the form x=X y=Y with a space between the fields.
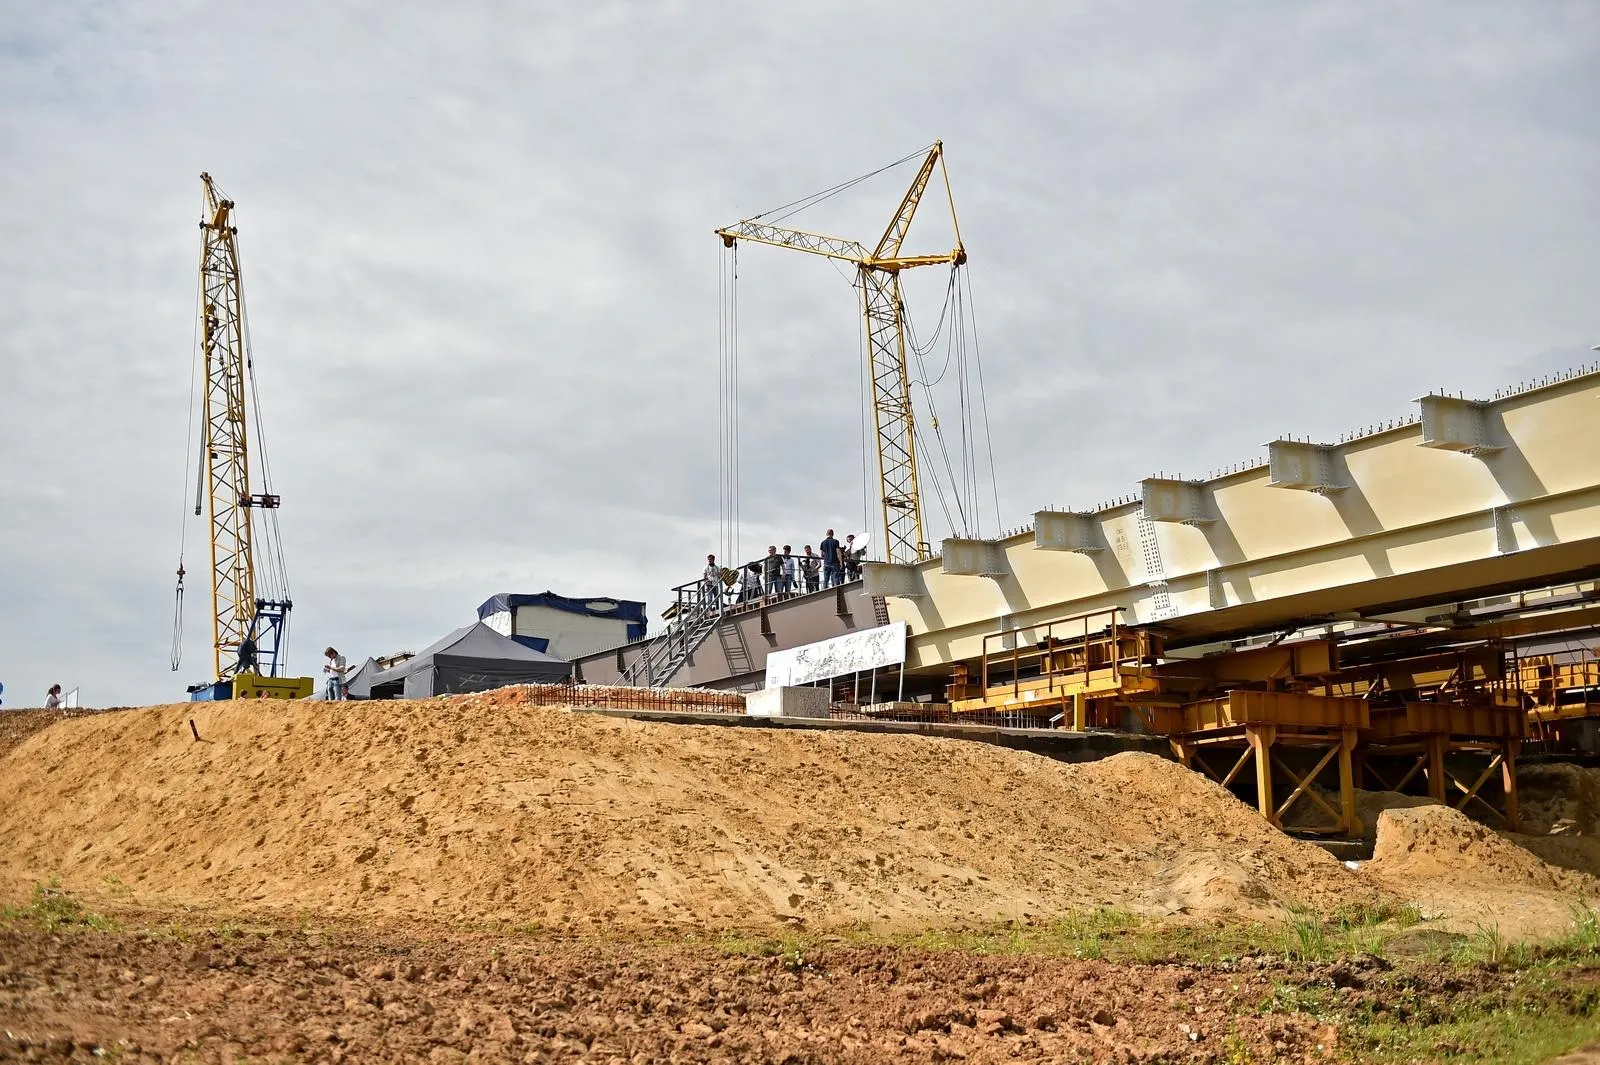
x=712 y=701
x=621 y=697
x=938 y=714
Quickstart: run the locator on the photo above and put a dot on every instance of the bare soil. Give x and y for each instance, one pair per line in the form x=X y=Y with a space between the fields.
x=477 y=878
x=363 y=996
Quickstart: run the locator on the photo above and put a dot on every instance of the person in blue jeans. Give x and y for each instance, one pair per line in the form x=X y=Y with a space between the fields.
x=832 y=572
x=335 y=669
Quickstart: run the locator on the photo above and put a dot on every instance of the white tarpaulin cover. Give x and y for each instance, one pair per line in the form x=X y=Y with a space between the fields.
x=856 y=652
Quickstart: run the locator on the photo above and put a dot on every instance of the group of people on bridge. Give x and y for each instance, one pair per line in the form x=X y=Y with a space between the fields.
x=779 y=574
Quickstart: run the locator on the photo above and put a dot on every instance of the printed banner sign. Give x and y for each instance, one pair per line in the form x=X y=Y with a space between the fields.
x=856 y=652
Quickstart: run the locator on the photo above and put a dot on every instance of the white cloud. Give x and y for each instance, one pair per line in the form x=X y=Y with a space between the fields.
x=483 y=287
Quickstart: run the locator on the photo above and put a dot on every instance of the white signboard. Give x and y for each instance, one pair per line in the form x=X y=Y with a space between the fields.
x=856 y=652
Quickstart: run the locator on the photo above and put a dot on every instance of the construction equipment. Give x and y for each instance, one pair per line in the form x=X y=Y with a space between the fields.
x=878 y=275
x=250 y=603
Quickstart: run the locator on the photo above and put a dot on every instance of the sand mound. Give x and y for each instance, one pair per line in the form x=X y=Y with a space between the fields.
x=1437 y=841
x=484 y=807
x=1458 y=869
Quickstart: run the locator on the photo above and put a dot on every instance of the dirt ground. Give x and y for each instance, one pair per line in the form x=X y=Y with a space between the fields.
x=373 y=997
x=477 y=878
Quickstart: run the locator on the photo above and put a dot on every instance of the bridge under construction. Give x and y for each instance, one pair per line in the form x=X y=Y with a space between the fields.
x=1404 y=609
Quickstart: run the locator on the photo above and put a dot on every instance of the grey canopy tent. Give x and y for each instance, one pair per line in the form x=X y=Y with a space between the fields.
x=471 y=659
x=358 y=685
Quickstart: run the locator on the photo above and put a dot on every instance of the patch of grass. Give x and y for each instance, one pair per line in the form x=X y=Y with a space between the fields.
x=793 y=950
x=746 y=946
x=1539 y=1017
x=1486 y=945
x=1541 y=1002
x=1097 y=933
x=1370 y=915
x=1306 y=938
x=51 y=909
x=1584 y=936
x=1542 y=1019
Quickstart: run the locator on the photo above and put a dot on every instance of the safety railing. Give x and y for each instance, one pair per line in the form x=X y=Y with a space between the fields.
x=1066 y=651
x=748 y=584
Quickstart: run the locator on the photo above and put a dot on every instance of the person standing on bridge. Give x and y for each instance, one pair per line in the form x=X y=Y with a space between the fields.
x=810 y=567
x=850 y=558
x=772 y=571
x=790 y=586
x=831 y=569
x=52 y=698
x=711 y=584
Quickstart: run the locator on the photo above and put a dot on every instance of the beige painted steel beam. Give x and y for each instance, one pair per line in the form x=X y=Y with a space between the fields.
x=1498 y=494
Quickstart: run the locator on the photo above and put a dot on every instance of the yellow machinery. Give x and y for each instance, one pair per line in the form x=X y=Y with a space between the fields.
x=250 y=605
x=878 y=273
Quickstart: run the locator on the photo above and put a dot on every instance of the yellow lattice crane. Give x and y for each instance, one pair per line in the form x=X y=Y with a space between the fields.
x=878 y=274
x=250 y=604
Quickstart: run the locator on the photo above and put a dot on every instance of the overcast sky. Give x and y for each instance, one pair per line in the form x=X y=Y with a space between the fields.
x=483 y=282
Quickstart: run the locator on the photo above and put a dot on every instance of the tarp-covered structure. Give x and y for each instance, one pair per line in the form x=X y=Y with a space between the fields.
x=470 y=659
x=358 y=685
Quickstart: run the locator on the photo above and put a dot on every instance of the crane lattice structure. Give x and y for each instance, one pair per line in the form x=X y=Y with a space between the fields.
x=240 y=620
x=878 y=275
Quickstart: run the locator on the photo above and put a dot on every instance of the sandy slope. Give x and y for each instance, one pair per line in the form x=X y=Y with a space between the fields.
x=482 y=807
x=1457 y=868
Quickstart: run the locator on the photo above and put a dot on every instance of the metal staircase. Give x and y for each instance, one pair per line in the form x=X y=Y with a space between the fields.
x=735 y=650
x=689 y=623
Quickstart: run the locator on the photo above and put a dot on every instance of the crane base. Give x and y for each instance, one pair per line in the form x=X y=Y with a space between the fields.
x=252 y=686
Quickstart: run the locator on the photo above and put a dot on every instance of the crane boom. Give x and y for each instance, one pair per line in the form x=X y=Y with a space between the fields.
x=816 y=243
x=878 y=276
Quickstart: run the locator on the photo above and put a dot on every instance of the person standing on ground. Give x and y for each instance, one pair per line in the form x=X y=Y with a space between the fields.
x=830 y=560
x=334 y=668
x=52 y=698
x=789 y=583
x=810 y=566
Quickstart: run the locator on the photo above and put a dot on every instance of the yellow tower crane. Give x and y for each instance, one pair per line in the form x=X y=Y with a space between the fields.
x=250 y=605
x=878 y=275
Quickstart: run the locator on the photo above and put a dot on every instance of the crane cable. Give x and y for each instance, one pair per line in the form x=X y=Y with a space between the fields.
x=794 y=207
x=176 y=656
x=933 y=417
x=983 y=397
x=728 y=518
x=972 y=399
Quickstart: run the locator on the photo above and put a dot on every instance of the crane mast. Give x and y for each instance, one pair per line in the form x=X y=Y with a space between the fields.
x=247 y=629
x=878 y=277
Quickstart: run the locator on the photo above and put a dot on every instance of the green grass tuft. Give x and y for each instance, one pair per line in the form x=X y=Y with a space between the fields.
x=52 y=910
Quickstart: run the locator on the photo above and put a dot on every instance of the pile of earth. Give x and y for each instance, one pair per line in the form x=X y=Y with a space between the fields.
x=1454 y=867
x=488 y=808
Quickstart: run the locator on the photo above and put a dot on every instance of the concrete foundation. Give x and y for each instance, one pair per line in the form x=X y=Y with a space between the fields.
x=787 y=702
